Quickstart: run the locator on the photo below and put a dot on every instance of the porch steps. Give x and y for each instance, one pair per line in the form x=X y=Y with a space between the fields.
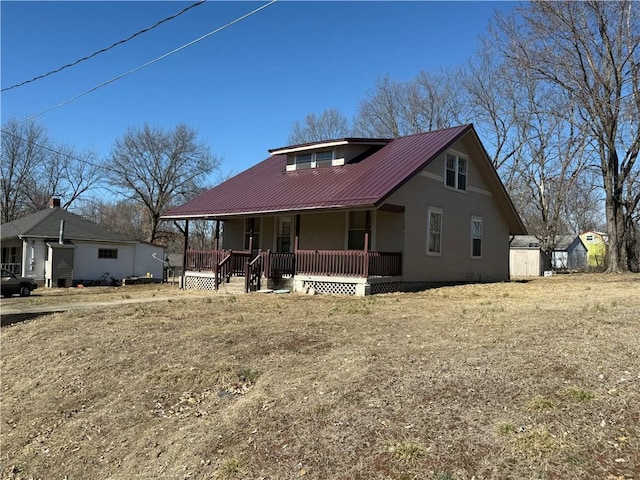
x=234 y=287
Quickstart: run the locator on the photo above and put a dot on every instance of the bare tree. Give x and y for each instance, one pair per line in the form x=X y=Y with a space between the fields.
x=494 y=105
x=21 y=153
x=427 y=102
x=379 y=113
x=34 y=169
x=583 y=204
x=123 y=216
x=591 y=51
x=159 y=169
x=330 y=124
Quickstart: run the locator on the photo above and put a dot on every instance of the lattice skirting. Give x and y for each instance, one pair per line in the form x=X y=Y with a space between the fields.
x=192 y=282
x=344 y=288
x=332 y=288
x=384 y=287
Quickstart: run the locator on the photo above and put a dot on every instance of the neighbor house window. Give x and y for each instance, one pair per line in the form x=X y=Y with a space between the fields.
x=434 y=231
x=9 y=254
x=476 y=237
x=108 y=253
x=456 y=171
x=256 y=233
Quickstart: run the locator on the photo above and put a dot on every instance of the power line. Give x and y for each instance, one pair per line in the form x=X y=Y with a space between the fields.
x=151 y=62
x=120 y=42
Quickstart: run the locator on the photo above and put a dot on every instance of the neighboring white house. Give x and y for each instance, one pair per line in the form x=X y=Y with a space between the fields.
x=59 y=249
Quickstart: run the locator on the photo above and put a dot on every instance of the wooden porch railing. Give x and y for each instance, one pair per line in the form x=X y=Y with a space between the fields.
x=346 y=263
x=15 y=268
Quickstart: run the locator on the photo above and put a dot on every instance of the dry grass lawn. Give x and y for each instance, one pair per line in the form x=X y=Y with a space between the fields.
x=535 y=380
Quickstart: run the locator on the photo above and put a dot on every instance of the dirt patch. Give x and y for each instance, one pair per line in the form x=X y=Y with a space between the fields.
x=512 y=380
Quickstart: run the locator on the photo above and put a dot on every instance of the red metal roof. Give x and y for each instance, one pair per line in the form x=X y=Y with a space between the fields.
x=268 y=187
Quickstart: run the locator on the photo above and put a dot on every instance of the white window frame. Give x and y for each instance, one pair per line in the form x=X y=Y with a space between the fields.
x=434 y=211
x=475 y=236
x=457 y=156
x=278 y=235
x=313 y=163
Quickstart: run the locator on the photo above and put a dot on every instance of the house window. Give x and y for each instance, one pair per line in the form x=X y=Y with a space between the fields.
x=324 y=159
x=302 y=161
x=283 y=239
x=434 y=231
x=256 y=232
x=111 y=253
x=589 y=238
x=357 y=230
x=9 y=254
x=476 y=237
x=456 y=171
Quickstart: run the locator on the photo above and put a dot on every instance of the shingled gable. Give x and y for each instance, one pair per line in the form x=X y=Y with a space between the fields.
x=46 y=224
x=269 y=188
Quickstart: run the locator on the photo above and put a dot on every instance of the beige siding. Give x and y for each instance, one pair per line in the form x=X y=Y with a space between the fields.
x=455 y=262
x=323 y=231
x=389 y=231
x=268 y=234
x=233 y=234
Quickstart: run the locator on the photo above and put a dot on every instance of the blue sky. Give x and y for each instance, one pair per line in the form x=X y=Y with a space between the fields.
x=242 y=88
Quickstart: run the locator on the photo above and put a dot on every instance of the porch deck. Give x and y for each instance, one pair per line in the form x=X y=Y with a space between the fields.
x=326 y=271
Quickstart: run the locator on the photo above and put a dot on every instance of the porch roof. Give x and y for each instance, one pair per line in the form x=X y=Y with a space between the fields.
x=267 y=187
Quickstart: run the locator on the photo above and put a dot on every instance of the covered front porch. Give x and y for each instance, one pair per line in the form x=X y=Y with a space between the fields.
x=328 y=252
x=322 y=271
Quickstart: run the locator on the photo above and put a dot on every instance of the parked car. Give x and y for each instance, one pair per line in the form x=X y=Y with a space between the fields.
x=14 y=285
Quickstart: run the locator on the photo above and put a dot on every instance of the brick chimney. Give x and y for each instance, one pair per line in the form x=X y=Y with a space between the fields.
x=54 y=202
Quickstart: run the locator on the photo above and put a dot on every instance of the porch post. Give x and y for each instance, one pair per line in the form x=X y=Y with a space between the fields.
x=251 y=225
x=184 y=253
x=367 y=232
x=216 y=241
x=296 y=245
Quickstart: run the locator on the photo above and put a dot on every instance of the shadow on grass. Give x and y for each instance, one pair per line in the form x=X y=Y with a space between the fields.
x=13 y=318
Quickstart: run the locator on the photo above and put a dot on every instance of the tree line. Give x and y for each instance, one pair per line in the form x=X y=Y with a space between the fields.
x=553 y=91
x=148 y=171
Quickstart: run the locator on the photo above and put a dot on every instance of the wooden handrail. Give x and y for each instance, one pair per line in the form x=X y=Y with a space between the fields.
x=222 y=269
x=253 y=273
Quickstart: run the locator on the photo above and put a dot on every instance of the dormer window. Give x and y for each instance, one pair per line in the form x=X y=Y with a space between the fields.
x=324 y=159
x=456 y=171
x=304 y=160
